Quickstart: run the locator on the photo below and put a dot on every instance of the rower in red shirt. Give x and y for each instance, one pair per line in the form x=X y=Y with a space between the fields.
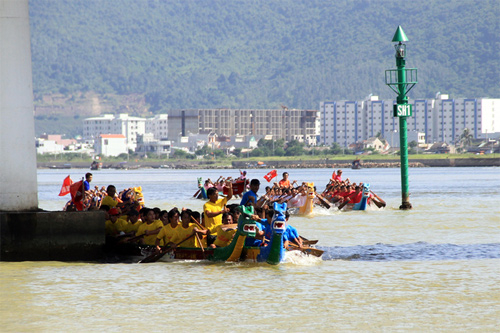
x=337 y=176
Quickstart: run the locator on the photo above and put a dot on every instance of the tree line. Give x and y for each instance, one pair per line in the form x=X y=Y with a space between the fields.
x=261 y=54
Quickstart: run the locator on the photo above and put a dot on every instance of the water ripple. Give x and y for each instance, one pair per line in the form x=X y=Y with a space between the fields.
x=412 y=251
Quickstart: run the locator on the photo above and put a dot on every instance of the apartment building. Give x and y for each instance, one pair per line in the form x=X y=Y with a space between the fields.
x=288 y=124
x=123 y=124
x=438 y=120
x=453 y=115
x=158 y=126
x=342 y=122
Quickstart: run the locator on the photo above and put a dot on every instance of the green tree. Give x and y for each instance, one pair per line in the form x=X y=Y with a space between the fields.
x=294 y=148
x=466 y=138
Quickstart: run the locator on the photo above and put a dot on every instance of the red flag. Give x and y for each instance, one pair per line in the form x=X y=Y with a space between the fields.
x=65 y=186
x=271 y=175
x=76 y=190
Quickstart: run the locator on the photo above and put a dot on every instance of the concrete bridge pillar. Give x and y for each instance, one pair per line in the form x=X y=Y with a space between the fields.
x=18 y=179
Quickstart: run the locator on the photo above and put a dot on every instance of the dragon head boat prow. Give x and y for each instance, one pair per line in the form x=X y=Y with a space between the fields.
x=274 y=252
x=246 y=225
x=364 y=200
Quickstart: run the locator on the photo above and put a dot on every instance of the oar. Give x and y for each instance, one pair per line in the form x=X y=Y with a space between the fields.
x=343 y=204
x=201 y=245
x=157 y=256
x=378 y=204
x=197 y=223
x=307 y=241
x=197 y=192
x=323 y=201
x=231 y=226
x=133 y=239
x=308 y=250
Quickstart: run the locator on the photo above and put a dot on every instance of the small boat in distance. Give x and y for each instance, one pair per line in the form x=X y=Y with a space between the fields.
x=356 y=164
x=96 y=165
x=64 y=166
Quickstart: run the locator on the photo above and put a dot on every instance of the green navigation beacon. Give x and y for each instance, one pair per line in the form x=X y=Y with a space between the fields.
x=401 y=80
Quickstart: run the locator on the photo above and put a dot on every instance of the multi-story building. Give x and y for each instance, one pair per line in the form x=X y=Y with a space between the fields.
x=110 y=124
x=342 y=122
x=288 y=124
x=158 y=126
x=453 y=115
x=441 y=119
x=111 y=144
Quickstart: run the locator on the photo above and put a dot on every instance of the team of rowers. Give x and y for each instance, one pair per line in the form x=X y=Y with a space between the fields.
x=215 y=227
x=340 y=192
x=343 y=192
x=94 y=198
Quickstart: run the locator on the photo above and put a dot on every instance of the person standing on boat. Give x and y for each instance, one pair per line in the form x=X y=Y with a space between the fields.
x=214 y=208
x=250 y=197
x=285 y=182
x=86 y=184
x=337 y=176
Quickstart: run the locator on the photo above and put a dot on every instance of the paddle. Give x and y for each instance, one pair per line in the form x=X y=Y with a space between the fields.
x=307 y=241
x=343 y=204
x=197 y=223
x=157 y=256
x=378 y=204
x=231 y=226
x=308 y=250
x=133 y=239
x=323 y=201
x=201 y=245
x=196 y=194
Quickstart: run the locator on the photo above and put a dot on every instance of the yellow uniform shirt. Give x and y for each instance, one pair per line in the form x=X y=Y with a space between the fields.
x=133 y=227
x=224 y=238
x=109 y=201
x=151 y=239
x=167 y=233
x=115 y=228
x=182 y=233
x=212 y=222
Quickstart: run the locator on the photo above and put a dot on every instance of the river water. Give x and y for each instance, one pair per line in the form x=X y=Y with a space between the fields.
x=436 y=267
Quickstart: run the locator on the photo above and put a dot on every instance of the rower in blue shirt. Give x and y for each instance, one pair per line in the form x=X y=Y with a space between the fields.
x=250 y=197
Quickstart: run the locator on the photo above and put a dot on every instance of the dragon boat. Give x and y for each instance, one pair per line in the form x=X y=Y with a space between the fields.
x=239 y=187
x=363 y=204
x=273 y=253
x=311 y=200
x=233 y=252
x=364 y=200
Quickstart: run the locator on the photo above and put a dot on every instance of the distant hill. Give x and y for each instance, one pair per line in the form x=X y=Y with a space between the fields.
x=260 y=53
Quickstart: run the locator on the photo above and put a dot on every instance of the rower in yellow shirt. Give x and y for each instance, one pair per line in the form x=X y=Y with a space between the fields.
x=133 y=222
x=150 y=228
x=109 y=200
x=114 y=225
x=169 y=230
x=186 y=229
x=214 y=208
x=224 y=237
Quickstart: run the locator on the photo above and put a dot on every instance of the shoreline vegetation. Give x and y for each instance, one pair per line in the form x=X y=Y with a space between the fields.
x=366 y=161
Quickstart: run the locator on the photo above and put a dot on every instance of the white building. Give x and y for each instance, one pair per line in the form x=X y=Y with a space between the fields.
x=452 y=116
x=437 y=120
x=111 y=145
x=342 y=122
x=128 y=126
x=44 y=146
x=148 y=145
x=158 y=126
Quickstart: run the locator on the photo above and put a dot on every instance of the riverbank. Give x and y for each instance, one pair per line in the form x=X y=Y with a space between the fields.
x=283 y=164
